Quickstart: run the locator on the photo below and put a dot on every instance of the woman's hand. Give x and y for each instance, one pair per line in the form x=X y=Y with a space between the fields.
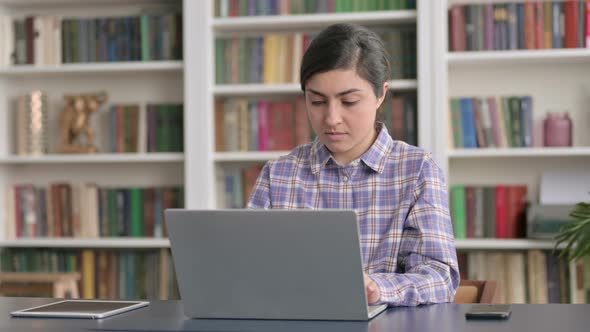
x=373 y=292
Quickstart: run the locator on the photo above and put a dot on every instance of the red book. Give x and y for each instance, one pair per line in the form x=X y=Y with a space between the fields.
x=149 y=196
x=57 y=210
x=234 y=8
x=457 y=23
x=282 y=126
x=30 y=39
x=302 y=127
x=516 y=206
x=571 y=23
x=587 y=23
x=529 y=26
x=502 y=212
x=18 y=211
x=249 y=177
x=398 y=119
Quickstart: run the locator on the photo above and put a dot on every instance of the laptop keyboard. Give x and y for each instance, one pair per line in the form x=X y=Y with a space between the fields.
x=374 y=309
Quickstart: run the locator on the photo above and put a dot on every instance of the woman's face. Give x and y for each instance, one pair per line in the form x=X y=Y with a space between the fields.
x=342 y=107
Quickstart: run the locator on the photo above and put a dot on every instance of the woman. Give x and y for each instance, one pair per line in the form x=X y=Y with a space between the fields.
x=397 y=190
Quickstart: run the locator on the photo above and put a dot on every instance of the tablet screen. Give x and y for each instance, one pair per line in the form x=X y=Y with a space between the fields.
x=92 y=307
x=80 y=309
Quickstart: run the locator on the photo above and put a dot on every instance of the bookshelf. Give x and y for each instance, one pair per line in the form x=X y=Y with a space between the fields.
x=81 y=243
x=555 y=78
x=92 y=68
x=208 y=27
x=221 y=90
x=125 y=82
x=230 y=24
x=156 y=157
x=491 y=58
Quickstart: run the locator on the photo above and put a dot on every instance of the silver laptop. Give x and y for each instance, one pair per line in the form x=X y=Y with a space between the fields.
x=269 y=264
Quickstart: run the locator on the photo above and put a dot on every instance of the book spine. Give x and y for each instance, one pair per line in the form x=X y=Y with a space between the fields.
x=502 y=212
x=468 y=122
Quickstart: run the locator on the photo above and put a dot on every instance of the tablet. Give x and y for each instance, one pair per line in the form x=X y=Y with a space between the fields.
x=80 y=309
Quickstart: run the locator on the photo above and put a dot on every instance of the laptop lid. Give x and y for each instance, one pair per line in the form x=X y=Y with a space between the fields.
x=268 y=264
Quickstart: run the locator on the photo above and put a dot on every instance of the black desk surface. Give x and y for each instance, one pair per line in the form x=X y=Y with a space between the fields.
x=168 y=316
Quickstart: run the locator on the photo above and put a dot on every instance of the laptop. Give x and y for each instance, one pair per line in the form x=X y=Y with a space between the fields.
x=269 y=264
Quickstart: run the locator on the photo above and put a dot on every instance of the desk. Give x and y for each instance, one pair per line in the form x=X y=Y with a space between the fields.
x=168 y=316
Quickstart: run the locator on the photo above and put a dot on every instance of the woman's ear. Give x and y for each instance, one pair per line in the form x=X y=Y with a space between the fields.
x=382 y=98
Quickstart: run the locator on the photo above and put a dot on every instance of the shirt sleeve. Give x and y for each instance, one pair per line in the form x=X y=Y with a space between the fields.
x=260 y=196
x=427 y=270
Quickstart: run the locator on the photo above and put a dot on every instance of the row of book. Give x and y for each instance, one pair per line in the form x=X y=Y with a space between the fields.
x=400 y=115
x=154 y=127
x=268 y=59
x=522 y=25
x=532 y=276
x=163 y=125
x=265 y=125
x=481 y=122
x=490 y=212
x=105 y=274
x=234 y=185
x=260 y=125
x=51 y=40
x=276 y=58
x=231 y=8
x=66 y=210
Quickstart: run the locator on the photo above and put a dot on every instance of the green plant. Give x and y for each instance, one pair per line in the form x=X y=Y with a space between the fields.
x=576 y=233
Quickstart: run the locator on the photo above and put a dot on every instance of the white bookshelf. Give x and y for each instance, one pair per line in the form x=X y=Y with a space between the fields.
x=538 y=152
x=233 y=24
x=119 y=68
x=129 y=82
x=221 y=90
x=159 y=157
x=81 y=243
x=556 y=79
x=492 y=58
x=199 y=79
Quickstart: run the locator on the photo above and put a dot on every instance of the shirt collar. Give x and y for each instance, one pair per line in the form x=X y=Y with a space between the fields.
x=374 y=157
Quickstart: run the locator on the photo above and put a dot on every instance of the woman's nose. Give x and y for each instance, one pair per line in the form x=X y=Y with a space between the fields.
x=333 y=115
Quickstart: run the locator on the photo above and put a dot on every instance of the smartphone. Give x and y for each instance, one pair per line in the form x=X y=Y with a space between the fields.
x=488 y=311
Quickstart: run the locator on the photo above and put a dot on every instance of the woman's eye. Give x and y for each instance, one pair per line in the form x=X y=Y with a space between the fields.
x=317 y=102
x=349 y=103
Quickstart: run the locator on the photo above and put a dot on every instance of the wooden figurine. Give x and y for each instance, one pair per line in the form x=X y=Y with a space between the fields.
x=74 y=122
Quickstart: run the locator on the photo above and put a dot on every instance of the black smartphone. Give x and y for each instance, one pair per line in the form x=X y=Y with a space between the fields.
x=488 y=311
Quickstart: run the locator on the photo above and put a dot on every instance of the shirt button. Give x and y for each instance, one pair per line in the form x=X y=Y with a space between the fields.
x=345 y=178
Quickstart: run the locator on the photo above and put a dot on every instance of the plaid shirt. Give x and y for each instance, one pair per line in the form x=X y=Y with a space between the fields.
x=401 y=201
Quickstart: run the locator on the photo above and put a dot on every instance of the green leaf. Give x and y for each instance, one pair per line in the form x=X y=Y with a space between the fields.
x=575 y=234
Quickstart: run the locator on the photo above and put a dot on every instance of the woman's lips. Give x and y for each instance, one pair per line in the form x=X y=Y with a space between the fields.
x=335 y=136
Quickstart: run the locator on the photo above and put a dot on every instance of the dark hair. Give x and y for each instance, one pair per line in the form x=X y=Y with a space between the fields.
x=346 y=46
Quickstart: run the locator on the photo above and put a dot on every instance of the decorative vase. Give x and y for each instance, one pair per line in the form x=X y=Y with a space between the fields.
x=557 y=129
